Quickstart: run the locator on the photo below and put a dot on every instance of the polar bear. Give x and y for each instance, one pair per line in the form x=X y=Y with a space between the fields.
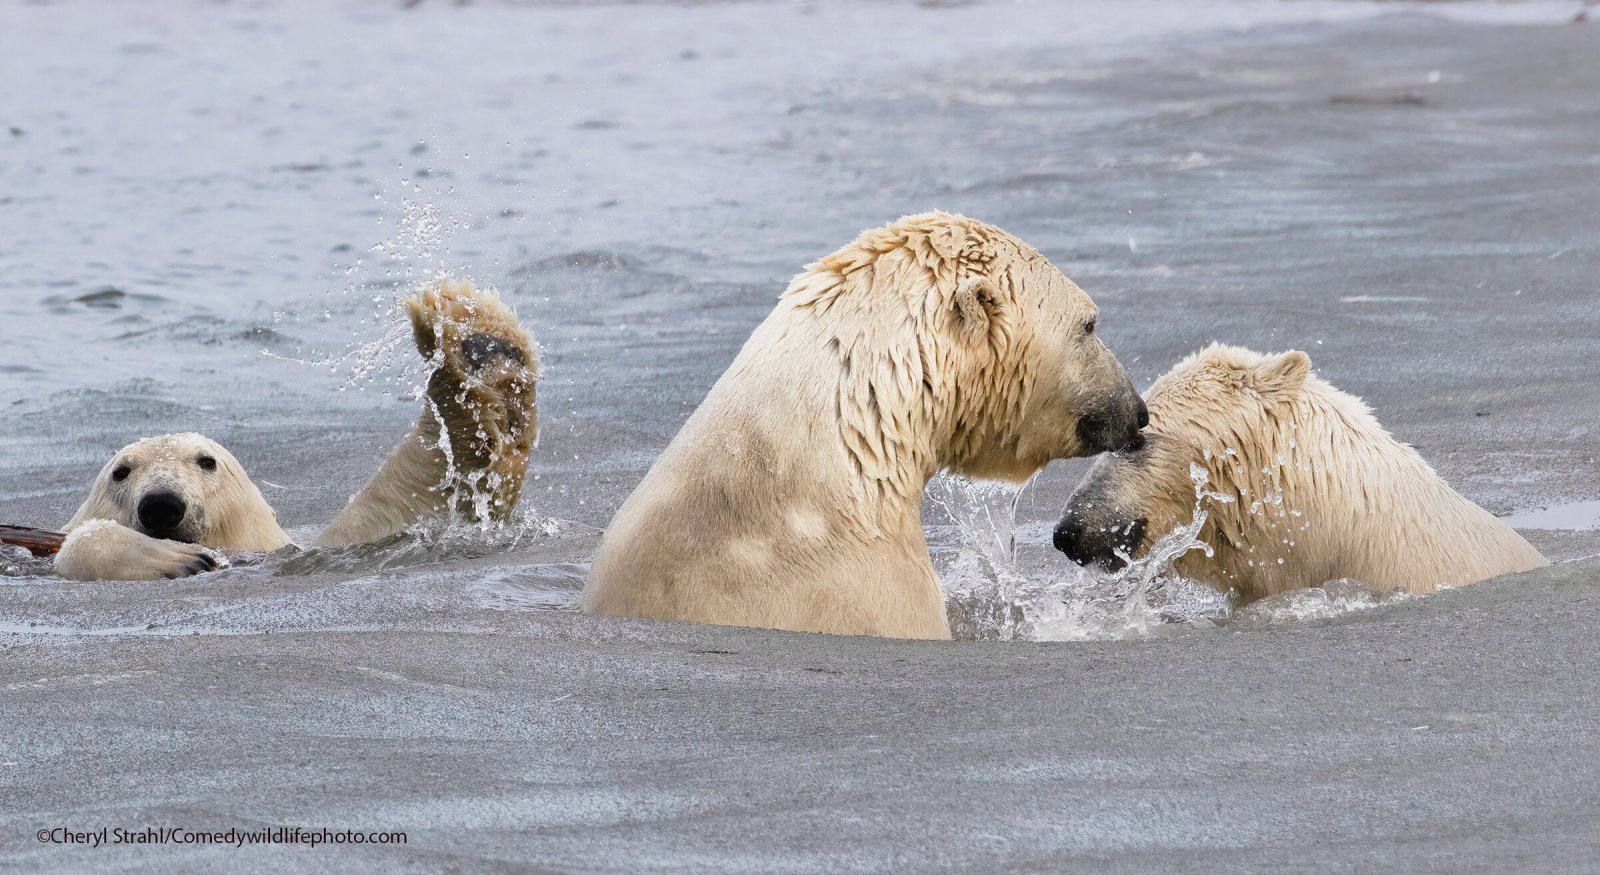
x=159 y=503
x=791 y=499
x=1311 y=489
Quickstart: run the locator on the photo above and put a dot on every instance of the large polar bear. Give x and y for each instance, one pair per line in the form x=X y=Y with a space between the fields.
x=160 y=502
x=1306 y=487
x=792 y=497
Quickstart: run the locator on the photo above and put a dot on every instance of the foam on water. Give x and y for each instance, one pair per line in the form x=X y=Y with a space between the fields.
x=427 y=543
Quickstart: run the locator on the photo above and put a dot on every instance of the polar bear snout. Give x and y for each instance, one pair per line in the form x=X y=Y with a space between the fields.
x=161 y=513
x=1108 y=545
x=1115 y=429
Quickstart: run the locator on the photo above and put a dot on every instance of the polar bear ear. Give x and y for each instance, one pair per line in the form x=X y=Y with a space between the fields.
x=1282 y=374
x=975 y=301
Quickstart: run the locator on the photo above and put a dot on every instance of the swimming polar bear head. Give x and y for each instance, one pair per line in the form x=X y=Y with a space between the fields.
x=960 y=346
x=183 y=487
x=1299 y=482
x=1237 y=415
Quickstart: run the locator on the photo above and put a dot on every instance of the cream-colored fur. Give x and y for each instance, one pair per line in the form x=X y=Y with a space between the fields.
x=1320 y=491
x=791 y=498
x=102 y=549
x=480 y=396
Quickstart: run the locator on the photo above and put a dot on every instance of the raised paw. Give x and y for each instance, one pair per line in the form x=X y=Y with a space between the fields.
x=485 y=351
x=468 y=454
x=482 y=392
x=471 y=333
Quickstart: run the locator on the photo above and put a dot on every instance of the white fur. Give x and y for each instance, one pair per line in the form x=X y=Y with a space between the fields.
x=471 y=444
x=1320 y=490
x=101 y=549
x=791 y=499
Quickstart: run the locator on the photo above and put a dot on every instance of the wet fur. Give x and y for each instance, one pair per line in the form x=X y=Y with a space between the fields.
x=791 y=498
x=481 y=395
x=1338 y=496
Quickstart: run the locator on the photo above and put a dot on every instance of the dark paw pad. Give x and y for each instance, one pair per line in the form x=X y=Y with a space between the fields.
x=482 y=349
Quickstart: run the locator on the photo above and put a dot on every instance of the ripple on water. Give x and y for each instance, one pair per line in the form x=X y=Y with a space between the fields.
x=17 y=562
x=531 y=588
x=1332 y=599
x=1578 y=516
x=105 y=298
x=432 y=578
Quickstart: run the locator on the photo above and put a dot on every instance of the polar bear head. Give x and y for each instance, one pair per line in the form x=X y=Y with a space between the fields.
x=1235 y=414
x=183 y=487
x=959 y=346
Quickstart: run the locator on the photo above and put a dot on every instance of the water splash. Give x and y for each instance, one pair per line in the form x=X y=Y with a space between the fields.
x=1144 y=596
x=984 y=511
x=992 y=594
x=1332 y=599
x=985 y=593
x=428 y=542
x=18 y=562
x=416 y=255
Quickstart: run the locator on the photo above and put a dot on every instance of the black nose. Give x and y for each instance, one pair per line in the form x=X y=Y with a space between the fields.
x=1068 y=538
x=1107 y=431
x=161 y=511
x=1103 y=545
x=1141 y=418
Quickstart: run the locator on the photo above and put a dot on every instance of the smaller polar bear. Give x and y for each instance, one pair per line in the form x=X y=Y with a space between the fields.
x=160 y=502
x=792 y=497
x=1305 y=485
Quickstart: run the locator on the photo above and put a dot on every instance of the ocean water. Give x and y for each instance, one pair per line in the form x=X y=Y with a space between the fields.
x=210 y=222
x=208 y=210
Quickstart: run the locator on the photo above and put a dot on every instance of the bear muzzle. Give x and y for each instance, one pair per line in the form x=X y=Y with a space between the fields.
x=1115 y=432
x=161 y=514
x=1105 y=545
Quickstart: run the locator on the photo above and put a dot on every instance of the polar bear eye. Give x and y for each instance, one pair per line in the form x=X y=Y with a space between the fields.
x=1088 y=327
x=120 y=473
x=206 y=463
